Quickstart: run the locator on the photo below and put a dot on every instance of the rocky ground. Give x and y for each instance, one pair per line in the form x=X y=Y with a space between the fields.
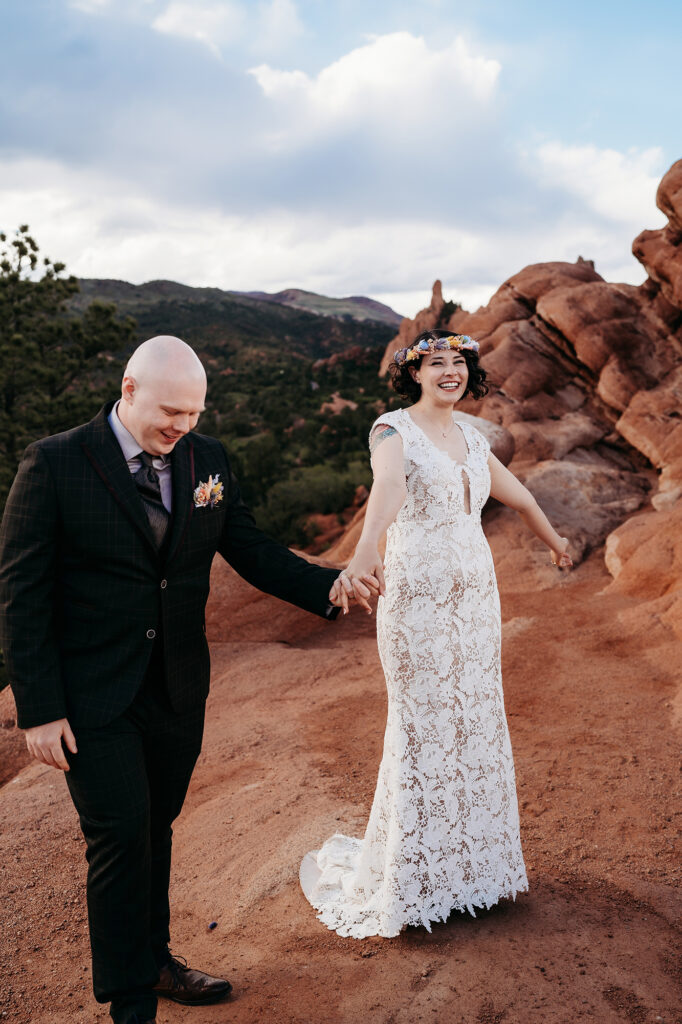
x=295 y=726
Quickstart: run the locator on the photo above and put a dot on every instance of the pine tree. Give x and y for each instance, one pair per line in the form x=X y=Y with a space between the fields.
x=52 y=363
x=49 y=374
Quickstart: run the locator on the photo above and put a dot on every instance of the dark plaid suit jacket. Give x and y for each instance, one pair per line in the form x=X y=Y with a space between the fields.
x=84 y=595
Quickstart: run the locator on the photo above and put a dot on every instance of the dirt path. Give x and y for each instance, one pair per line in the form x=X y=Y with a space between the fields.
x=293 y=742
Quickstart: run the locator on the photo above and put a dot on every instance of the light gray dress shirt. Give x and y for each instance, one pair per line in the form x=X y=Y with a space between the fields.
x=131 y=453
x=161 y=463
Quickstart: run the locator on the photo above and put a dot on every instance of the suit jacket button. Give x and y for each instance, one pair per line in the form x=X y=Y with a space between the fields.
x=164 y=584
x=151 y=633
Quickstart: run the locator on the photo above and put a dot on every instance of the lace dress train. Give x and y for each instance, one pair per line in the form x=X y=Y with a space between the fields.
x=443 y=832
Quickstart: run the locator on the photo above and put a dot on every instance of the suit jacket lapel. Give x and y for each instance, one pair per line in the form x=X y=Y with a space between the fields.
x=104 y=453
x=182 y=469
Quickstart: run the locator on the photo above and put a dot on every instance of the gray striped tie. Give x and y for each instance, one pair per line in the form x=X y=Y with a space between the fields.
x=147 y=482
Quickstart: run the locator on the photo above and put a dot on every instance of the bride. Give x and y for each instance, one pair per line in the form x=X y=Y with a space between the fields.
x=443 y=831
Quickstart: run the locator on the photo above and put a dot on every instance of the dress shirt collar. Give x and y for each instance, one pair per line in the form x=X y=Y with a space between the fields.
x=129 y=446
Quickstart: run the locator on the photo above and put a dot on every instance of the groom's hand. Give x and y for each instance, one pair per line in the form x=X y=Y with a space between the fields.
x=44 y=742
x=342 y=596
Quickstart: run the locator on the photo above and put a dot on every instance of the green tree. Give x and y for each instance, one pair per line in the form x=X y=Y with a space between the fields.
x=52 y=368
x=53 y=373
x=320 y=488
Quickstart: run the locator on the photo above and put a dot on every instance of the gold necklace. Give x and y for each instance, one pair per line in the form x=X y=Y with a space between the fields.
x=444 y=433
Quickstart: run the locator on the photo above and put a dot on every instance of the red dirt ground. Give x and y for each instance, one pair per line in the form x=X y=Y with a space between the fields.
x=293 y=741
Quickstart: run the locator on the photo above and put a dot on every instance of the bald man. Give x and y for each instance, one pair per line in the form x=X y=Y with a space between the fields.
x=105 y=552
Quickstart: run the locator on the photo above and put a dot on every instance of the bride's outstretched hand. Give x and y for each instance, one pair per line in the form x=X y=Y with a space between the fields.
x=561 y=557
x=363 y=578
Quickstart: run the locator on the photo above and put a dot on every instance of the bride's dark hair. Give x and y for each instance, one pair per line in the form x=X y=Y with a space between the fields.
x=404 y=383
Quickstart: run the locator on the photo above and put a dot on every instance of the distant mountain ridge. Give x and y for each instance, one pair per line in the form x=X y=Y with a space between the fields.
x=358 y=307
x=302 y=323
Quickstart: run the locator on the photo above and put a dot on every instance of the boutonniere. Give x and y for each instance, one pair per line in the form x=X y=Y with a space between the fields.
x=210 y=493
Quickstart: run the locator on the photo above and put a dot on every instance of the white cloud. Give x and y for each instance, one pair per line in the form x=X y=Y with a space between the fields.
x=370 y=166
x=278 y=25
x=124 y=8
x=618 y=186
x=103 y=227
x=266 y=28
x=393 y=80
x=215 y=25
x=89 y=6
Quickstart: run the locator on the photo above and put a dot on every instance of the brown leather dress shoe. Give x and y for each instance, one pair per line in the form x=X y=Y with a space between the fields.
x=184 y=985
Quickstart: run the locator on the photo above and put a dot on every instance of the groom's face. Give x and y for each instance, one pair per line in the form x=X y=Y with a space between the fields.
x=159 y=412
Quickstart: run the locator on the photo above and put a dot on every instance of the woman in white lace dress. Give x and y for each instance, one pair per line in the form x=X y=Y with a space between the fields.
x=443 y=832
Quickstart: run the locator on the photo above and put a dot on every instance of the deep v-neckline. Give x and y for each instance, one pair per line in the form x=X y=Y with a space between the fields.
x=454 y=462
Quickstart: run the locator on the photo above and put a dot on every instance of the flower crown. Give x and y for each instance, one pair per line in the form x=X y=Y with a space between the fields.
x=422 y=348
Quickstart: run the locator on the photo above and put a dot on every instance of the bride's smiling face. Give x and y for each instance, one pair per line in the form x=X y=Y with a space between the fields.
x=443 y=376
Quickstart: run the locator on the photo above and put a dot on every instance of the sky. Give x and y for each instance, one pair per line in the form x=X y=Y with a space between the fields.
x=334 y=145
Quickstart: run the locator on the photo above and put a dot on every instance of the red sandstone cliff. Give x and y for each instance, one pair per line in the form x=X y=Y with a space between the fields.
x=588 y=381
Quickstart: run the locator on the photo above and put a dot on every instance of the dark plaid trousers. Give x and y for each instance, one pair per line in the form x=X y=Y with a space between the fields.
x=128 y=782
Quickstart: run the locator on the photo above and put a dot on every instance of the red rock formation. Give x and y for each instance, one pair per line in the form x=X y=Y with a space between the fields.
x=660 y=251
x=422 y=322
x=644 y=555
x=588 y=380
x=652 y=423
x=338 y=404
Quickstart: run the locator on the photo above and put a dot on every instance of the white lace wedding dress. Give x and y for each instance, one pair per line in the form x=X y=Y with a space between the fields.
x=443 y=832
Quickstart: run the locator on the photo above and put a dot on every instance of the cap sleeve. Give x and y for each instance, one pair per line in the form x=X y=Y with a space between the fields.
x=480 y=441
x=485 y=443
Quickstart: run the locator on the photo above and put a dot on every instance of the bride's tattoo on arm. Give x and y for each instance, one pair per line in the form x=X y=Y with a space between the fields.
x=380 y=436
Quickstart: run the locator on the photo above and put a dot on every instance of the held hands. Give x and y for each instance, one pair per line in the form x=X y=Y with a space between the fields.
x=561 y=558
x=44 y=742
x=362 y=579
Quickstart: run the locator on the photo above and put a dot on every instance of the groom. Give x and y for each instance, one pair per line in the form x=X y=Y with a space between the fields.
x=105 y=553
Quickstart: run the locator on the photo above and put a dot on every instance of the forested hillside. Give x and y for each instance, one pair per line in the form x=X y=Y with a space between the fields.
x=291 y=393
x=230 y=321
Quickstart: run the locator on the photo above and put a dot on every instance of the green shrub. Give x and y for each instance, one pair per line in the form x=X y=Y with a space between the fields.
x=310 y=489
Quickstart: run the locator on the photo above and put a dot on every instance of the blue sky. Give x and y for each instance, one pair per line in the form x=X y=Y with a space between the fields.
x=333 y=145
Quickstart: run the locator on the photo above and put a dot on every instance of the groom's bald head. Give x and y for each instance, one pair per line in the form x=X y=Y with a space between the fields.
x=162 y=393
x=164 y=357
